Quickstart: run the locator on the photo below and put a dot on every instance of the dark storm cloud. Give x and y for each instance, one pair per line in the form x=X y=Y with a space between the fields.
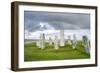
x=56 y=20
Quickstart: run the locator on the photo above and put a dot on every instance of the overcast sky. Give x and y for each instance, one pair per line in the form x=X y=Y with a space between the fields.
x=47 y=20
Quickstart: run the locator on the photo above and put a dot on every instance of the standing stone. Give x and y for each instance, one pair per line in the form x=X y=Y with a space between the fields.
x=56 y=43
x=38 y=44
x=62 y=39
x=50 y=41
x=74 y=42
x=42 y=41
x=86 y=44
x=69 y=40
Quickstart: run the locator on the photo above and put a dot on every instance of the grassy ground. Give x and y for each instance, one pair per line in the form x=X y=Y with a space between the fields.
x=33 y=53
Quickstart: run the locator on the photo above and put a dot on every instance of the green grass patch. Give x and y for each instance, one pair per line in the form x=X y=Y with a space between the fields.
x=33 y=53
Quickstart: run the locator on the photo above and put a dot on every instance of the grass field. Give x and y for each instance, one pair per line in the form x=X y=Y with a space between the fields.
x=33 y=53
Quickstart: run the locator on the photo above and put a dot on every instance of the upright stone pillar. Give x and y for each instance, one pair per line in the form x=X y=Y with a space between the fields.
x=50 y=41
x=42 y=40
x=62 y=39
x=56 y=43
x=74 y=42
x=86 y=44
x=38 y=43
x=69 y=40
